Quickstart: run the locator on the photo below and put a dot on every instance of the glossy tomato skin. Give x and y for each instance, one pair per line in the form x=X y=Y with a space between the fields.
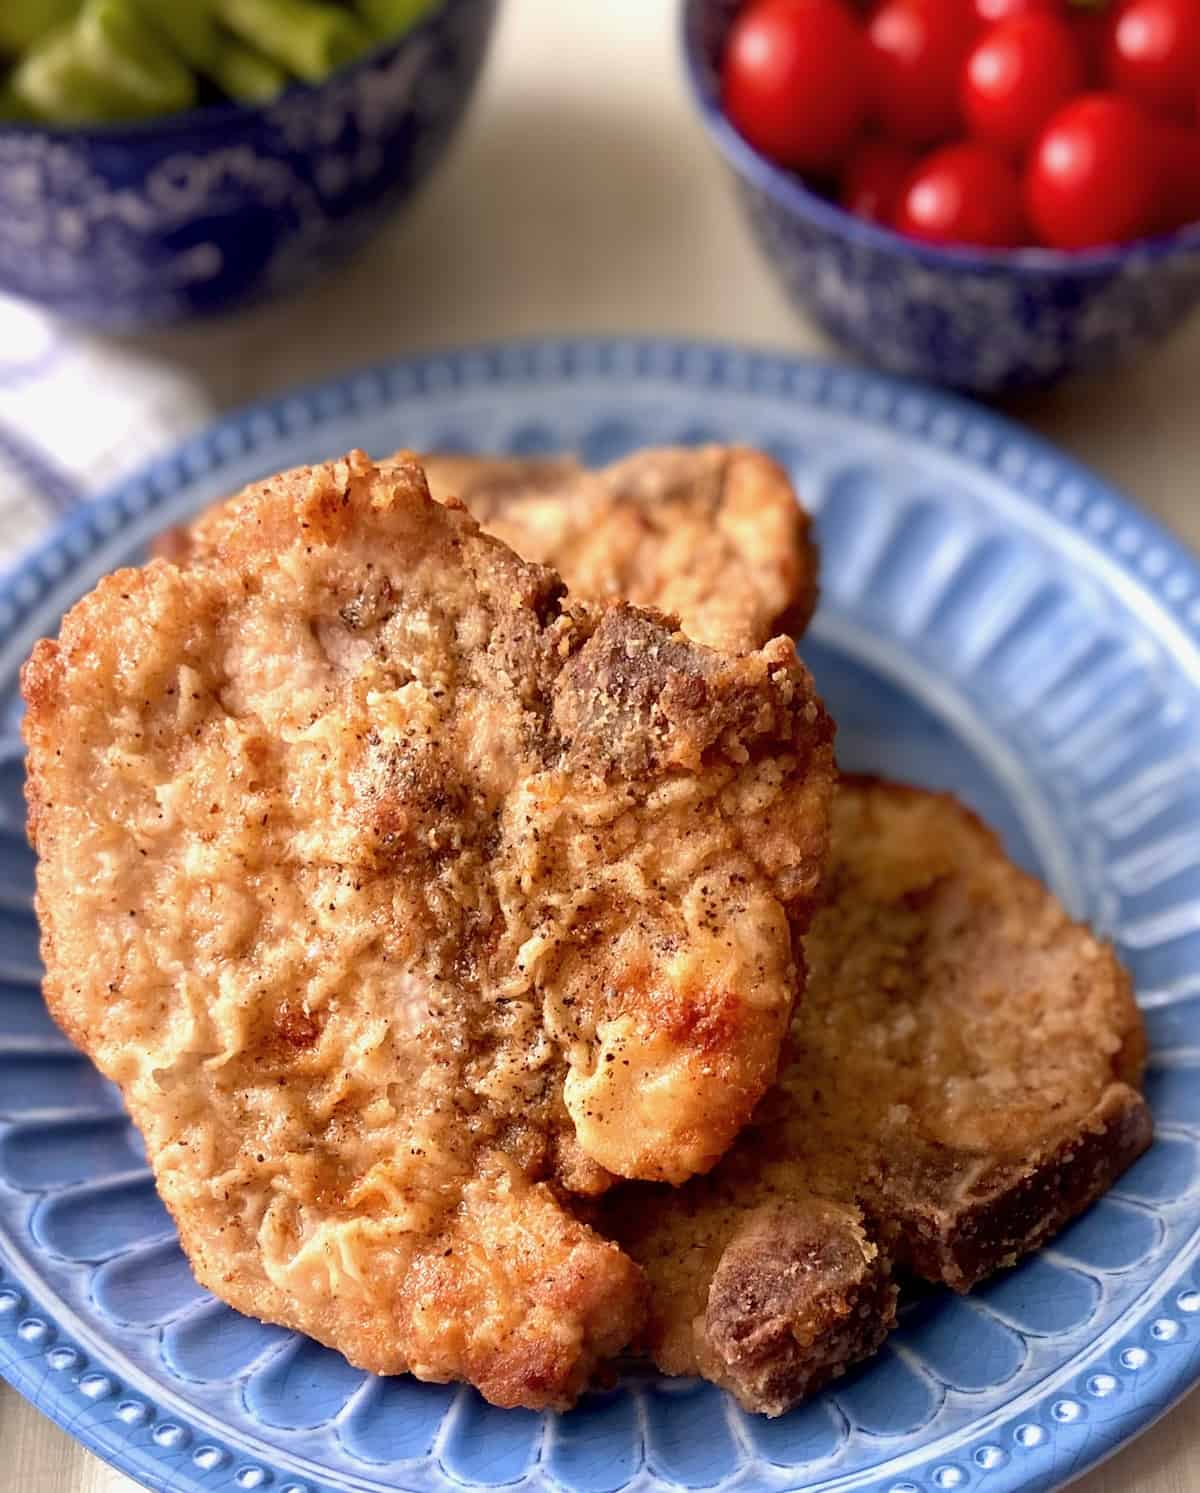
x=795 y=81
x=1152 y=53
x=963 y=194
x=1017 y=75
x=917 y=50
x=1093 y=176
x=874 y=178
x=988 y=12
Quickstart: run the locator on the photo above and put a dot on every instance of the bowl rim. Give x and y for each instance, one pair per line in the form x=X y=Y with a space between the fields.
x=214 y=117
x=791 y=192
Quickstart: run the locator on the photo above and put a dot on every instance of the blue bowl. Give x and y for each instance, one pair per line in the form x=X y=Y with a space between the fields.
x=138 y=225
x=975 y=319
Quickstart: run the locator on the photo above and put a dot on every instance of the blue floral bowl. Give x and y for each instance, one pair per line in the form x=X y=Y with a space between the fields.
x=138 y=225
x=974 y=319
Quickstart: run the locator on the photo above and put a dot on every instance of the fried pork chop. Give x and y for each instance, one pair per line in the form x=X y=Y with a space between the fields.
x=962 y=1081
x=712 y=535
x=400 y=896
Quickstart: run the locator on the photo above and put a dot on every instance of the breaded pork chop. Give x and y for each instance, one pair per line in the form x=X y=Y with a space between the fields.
x=398 y=894
x=714 y=535
x=962 y=1081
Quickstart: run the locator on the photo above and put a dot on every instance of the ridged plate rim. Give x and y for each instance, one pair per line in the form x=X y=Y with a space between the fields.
x=1157 y=575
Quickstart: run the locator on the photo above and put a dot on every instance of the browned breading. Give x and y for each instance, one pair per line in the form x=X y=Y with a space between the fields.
x=714 y=535
x=399 y=894
x=961 y=1082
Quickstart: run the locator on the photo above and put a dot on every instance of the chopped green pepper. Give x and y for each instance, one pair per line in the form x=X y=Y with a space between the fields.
x=246 y=75
x=24 y=22
x=391 y=18
x=306 y=37
x=103 y=69
x=189 y=26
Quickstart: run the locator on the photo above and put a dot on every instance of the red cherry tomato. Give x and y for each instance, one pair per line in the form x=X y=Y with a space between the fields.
x=1177 y=149
x=1153 y=54
x=1092 y=178
x=1091 y=35
x=963 y=194
x=1016 y=76
x=874 y=179
x=988 y=12
x=917 y=52
x=795 y=81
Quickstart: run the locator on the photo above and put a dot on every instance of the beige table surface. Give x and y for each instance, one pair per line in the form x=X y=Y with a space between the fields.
x=581 y=197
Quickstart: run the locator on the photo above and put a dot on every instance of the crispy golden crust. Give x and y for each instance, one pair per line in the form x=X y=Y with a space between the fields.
x=713 y=536
x=961 y=1082
x=398 y=894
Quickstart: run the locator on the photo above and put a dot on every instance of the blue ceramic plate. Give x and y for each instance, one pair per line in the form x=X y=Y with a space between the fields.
x=995 y=621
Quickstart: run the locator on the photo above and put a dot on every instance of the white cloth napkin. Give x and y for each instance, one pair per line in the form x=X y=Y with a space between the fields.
x=77 y=412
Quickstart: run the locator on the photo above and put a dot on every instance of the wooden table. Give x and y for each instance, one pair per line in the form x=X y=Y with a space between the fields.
x=582 y=197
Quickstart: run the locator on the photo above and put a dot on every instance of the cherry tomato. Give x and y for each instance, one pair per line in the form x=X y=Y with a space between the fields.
x=963 y=194
x=1092 y=178
x=988 y=12
x=917 y=52
x=1177 y=149
x=1016 y=76
x=1091 y=35
x=795 y=81
x=1153 y=54
x=874 y=179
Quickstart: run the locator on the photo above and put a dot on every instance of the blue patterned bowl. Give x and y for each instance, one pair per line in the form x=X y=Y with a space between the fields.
x=138 y=225
x=978 y=320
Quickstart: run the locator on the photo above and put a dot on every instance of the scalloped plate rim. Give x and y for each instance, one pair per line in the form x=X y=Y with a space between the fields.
x=76 y=539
